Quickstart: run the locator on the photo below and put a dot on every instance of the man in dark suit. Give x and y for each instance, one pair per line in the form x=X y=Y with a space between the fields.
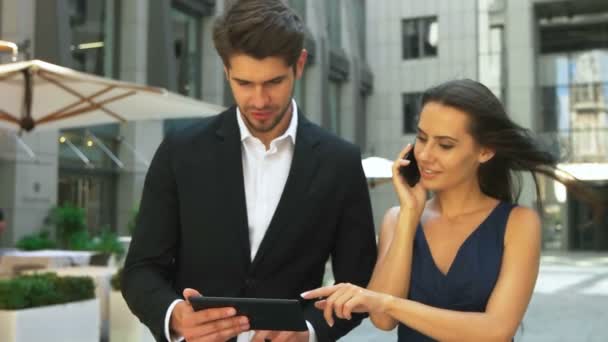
x=251 y=202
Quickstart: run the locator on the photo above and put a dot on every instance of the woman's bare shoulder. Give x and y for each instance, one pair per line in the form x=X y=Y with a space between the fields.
x=523 y=223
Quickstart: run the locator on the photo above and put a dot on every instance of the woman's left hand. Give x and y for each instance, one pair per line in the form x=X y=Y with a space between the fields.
x=344 y=299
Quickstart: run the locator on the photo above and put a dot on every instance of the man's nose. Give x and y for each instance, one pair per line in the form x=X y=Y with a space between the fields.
x=260 y=98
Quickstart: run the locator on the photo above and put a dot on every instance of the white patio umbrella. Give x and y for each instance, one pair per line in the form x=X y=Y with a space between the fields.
x=377 y=170
x=39 y=95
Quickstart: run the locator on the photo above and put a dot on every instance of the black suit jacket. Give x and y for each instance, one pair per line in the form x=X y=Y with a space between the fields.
x=192 y=228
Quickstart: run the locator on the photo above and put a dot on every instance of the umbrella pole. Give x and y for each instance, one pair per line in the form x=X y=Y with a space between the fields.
x=27 y=123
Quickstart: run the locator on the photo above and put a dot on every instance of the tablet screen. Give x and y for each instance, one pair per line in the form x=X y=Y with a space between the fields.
x=263 y=314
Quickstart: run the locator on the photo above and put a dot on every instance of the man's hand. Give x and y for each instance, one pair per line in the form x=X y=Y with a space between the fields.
x=211 y=325
x=280 y=336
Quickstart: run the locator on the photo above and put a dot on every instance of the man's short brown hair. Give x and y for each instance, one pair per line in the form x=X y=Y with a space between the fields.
x=259 y=28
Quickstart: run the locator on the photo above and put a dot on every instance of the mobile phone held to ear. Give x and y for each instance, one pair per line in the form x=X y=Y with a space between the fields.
x=410 y=172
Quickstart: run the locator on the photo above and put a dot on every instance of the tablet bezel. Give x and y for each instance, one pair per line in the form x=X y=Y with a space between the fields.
x=263 y=313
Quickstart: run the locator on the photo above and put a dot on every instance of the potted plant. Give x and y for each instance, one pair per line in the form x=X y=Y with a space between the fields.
x=69 y=221
x=124 y=326
x=106 y=244
x=45 y=307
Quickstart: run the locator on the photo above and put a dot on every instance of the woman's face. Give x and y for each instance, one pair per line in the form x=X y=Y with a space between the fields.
x=446 y=152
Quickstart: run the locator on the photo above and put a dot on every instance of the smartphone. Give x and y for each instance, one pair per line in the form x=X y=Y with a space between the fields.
x=411 y=172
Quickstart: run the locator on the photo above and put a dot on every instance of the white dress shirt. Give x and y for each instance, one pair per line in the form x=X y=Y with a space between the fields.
x=265 y=173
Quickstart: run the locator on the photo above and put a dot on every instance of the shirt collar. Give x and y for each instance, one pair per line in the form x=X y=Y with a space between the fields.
x=290 y=132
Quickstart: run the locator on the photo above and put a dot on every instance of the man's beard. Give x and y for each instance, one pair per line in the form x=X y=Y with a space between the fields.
x=274 y=123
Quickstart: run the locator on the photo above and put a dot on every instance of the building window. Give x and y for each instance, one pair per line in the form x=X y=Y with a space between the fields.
x=187 y=53
x=577 y=116
x=187 y=47
x=572 y=37
x=92 y=26
x=420 y=37
x=411 y=110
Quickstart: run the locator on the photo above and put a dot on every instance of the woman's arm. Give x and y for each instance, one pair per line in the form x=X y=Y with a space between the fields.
x=507 y=303
x=504 y=311
x=392 y=271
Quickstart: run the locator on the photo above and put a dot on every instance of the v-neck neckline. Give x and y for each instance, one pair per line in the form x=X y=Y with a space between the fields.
x=459 y=250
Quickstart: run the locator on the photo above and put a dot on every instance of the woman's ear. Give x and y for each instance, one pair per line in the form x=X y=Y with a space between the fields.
x=486 y=154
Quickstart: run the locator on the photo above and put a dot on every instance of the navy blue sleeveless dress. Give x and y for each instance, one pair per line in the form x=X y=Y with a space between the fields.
x=471 y=278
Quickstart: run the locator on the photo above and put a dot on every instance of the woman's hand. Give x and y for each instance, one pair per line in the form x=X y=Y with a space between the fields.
x=411 y=199
x=344 y=299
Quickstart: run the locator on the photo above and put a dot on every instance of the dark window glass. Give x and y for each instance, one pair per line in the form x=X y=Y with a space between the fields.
x=92 y=26
x=570 y=37
x=411 y=111
x=410 y=40
x=419 y=37
x=187 y=47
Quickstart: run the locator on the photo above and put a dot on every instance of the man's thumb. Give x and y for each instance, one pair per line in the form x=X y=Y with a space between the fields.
x=190 y=293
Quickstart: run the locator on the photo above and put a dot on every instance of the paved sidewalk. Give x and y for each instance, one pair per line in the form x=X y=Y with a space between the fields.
x=570 y=303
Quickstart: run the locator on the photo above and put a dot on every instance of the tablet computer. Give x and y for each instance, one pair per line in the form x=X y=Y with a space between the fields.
x=263 y=314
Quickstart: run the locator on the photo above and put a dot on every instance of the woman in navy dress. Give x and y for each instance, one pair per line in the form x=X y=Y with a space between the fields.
x=462 y=265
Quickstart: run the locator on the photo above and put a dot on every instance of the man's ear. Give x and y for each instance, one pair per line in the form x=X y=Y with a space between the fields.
x=300 y=63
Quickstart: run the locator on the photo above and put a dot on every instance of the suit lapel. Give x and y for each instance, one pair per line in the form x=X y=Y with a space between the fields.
x=230 y=168
x=303 y=167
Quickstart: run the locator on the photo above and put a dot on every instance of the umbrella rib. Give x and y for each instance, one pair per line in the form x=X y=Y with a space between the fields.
x=120 y=84
x=59 y=112
x=93 y=104
x=91 y=107
x=10 y=75
x=8 y=117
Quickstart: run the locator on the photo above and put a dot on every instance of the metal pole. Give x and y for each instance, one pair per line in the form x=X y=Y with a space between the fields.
x=106 y=150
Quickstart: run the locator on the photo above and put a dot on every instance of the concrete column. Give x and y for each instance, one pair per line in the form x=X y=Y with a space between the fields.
x=212 y=75
x=143 y=136
x=350 y=103
x=520 y=35
x=316 y=83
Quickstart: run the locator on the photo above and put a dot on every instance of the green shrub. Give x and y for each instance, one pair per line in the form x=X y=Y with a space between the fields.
x=31 y=291
x=80 y=241
x=68 y=220
x=36 y=241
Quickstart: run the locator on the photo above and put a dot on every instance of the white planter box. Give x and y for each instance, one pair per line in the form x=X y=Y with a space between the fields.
x=72 y=322
x=124 y=326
